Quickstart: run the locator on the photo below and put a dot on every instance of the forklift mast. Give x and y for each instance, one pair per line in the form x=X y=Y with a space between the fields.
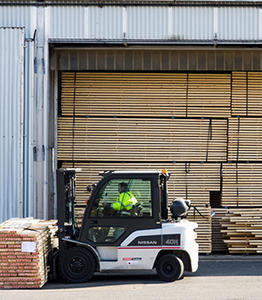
x=66 y=203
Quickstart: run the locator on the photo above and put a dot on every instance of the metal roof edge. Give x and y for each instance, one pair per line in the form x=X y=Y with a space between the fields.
x=102 y=3
x=125 y=43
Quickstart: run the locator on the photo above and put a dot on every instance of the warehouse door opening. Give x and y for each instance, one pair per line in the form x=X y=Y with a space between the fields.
x=138 y=121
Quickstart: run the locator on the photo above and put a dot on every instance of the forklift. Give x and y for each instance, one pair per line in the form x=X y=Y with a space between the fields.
x=125 y=240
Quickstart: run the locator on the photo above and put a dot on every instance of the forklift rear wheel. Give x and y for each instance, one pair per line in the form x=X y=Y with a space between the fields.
x=76 y=265
x=169 y=267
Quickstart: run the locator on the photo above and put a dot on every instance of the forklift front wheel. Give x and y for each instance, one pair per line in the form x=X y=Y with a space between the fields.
x=169 y=267
x=76 y=265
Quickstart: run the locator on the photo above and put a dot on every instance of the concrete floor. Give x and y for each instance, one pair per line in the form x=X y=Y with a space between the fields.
x=218 y=277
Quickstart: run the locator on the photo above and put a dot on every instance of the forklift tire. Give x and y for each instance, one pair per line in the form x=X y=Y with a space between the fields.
x=76 y=265
x=169 y=268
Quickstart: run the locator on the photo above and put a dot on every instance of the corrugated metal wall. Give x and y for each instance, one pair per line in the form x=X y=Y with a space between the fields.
x=82 y=23
x=11 y=122
x=19 y=16
x=240 y=23
x=173 y=23
x=131 y=22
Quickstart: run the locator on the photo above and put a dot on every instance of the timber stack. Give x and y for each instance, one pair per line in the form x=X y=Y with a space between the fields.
x=24 y=247
x=243 y=229
x=204 y=128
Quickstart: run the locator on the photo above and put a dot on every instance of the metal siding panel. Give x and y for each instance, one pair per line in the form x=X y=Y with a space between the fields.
x=193 y=23
x=238 y=23
x=143 y=22
x=147 y=22
x=105 y=22
x=67 y=22
x=11 y=116
x=17 y=16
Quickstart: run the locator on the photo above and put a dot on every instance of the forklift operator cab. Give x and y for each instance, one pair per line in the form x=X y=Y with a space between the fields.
x=136 y=236
x=104 y=225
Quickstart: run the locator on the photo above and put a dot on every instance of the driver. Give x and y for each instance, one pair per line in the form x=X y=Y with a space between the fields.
x=126 y=200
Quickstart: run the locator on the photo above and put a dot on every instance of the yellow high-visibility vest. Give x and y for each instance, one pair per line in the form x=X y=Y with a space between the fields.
x=125 y=201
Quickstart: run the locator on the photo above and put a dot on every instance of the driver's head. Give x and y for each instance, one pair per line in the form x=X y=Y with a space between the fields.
x=122 y=187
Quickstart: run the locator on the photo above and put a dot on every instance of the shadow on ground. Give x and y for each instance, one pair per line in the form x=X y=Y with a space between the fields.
x=208 y=267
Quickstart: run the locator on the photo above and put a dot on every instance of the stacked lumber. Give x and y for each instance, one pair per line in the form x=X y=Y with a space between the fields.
x=218 y=237
x=136 y=139
x=123 y=94
x=145 y=94
x=246 y=93
x=196 y=184
x=239 y=93
x=204 y=231
x=209 y=95
x=245 y=139
x=195 y=181
x=243 y=228
x=242 y=184
x=254 y=94
x=24 y=247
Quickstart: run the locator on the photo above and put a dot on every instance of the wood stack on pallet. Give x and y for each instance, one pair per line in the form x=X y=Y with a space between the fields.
x=245 y=139
x=218 y=237
x=239 y=93
x=243 y=228
x=208 y=95
x=145 y=94
x=204 y=228
x=24 y=247
x=114 y=139
x=246 y=94
x=123 y=94
x=242 y=184
x=194 y=181
x=254 y=94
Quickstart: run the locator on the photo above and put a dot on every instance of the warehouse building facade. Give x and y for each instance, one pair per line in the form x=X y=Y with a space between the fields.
x=133 y=85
